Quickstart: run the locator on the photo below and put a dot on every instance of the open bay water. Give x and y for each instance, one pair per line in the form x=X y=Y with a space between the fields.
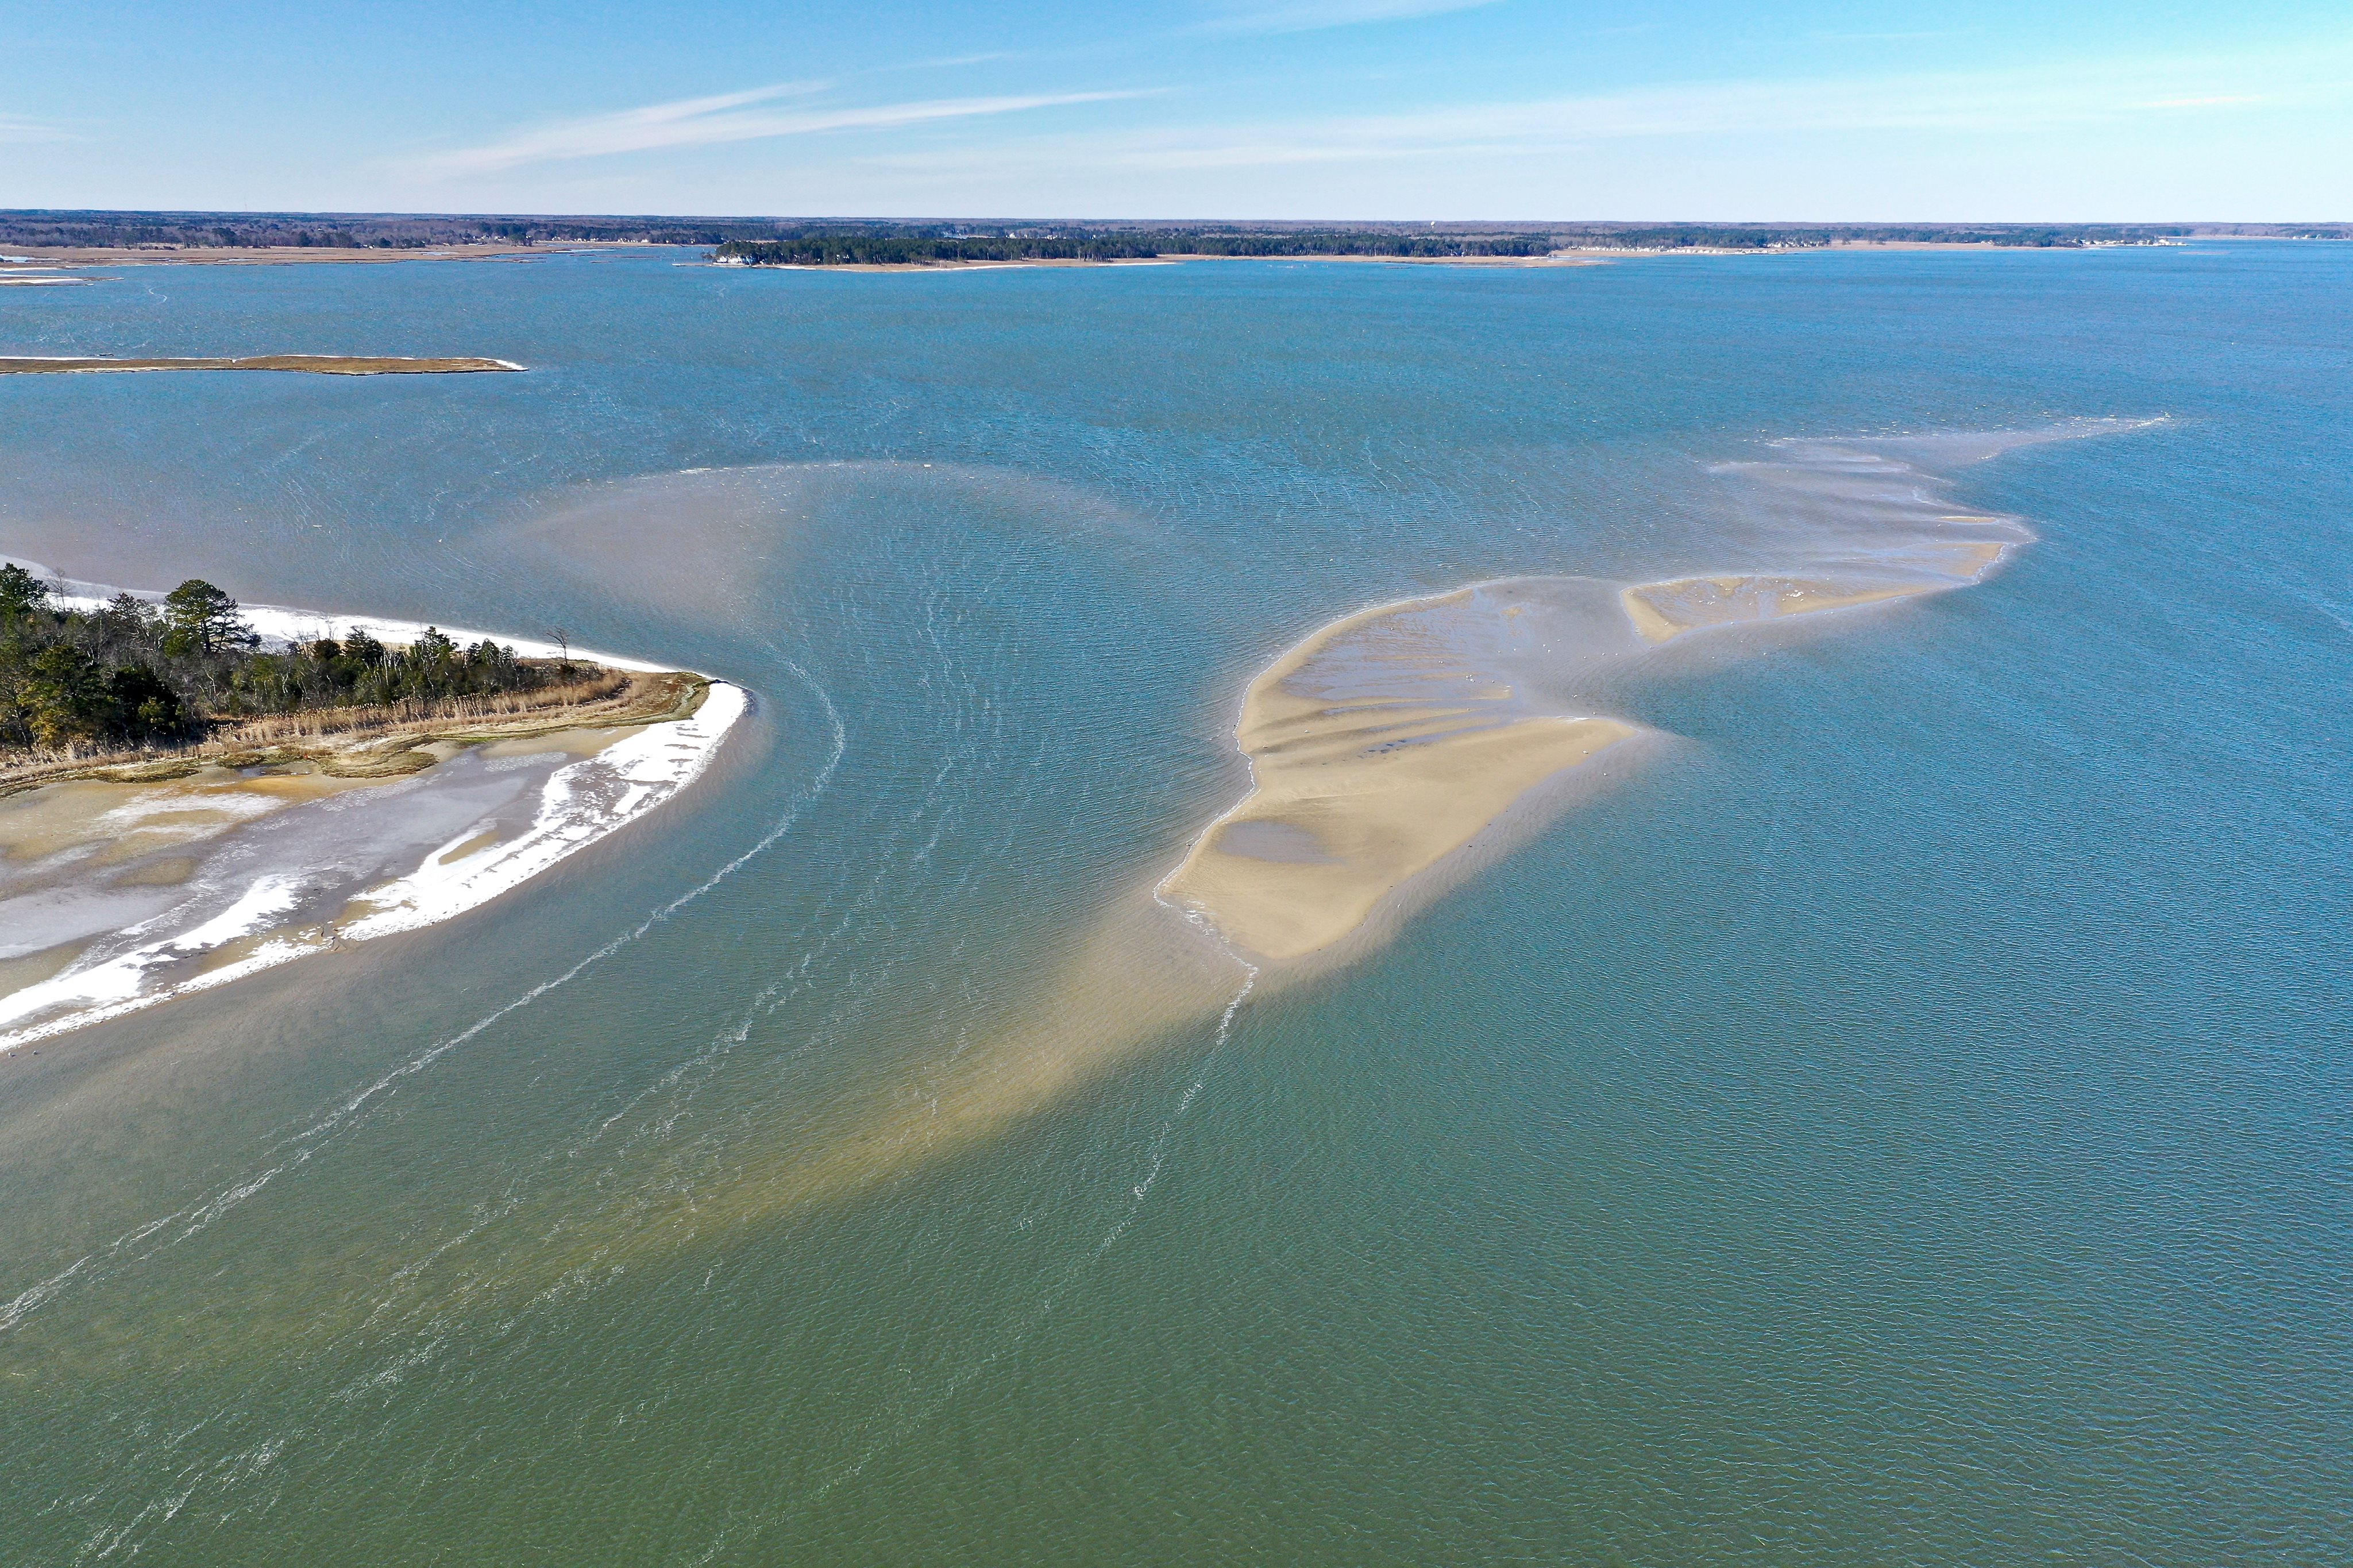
x=1905 y=1123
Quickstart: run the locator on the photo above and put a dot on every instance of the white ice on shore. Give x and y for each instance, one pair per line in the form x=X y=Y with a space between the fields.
x=579 y=804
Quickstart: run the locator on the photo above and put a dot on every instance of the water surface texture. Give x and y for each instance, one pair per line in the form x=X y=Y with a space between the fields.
x=1900 y=1119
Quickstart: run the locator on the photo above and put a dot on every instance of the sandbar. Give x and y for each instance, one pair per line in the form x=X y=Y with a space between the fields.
x=1392 y=739
x=1361 y=781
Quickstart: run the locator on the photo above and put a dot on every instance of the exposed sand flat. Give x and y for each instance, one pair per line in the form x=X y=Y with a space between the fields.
x=1378 y=748
x=102 y=824
x=1336 y=825
x=316 y=365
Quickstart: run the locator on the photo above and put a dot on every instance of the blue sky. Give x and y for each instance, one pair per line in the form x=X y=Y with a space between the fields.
x=1374 y=109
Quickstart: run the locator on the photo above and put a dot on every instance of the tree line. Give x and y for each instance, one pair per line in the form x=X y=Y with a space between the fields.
x=130 y=673
x=840 y=247
x=916 y=245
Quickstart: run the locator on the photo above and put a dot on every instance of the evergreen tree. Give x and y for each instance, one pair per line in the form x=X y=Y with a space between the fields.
x=21 y=593
x=199 y=618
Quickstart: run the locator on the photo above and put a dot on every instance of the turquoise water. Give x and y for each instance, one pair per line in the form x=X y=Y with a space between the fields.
x=1906 y=1123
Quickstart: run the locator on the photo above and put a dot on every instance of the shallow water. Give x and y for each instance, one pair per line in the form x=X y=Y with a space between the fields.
x=1903 y=1122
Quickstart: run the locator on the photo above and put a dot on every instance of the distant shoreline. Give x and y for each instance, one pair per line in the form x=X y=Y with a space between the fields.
x=311 y=365
x=273 y=254
x=1584 y=256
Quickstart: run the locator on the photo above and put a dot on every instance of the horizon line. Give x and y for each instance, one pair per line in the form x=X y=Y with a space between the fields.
x=1168 y=221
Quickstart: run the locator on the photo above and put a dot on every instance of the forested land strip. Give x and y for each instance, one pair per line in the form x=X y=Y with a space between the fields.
x=133 y=674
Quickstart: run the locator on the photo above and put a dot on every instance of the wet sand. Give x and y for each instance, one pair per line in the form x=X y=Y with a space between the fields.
x=1663 y=611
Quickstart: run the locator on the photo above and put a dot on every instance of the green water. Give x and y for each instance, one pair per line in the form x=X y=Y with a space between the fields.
x=1904 y=1124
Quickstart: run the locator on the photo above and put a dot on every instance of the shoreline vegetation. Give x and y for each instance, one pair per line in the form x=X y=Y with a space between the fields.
x=314 y=365
x=133 y=692
x=385 y=742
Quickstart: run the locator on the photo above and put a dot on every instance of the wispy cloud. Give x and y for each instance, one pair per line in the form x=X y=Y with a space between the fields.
x=704 y=122
x=1309 y=15
x=1951 y=103
x=16 y=128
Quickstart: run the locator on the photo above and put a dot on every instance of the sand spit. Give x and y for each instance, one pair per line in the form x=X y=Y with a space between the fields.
x=315 y=364
x=1394 y=740
x=122 y=887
